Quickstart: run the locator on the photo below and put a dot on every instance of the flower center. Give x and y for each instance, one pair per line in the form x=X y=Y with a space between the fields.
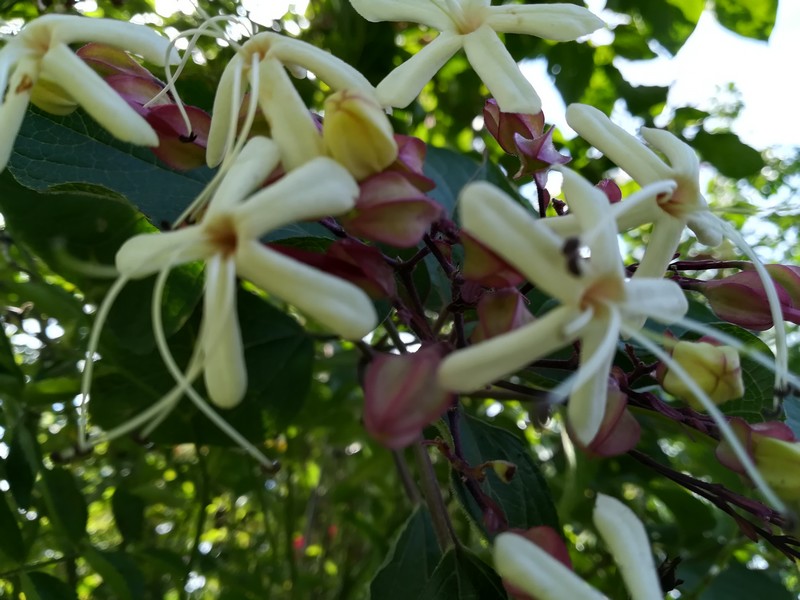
x=467 y=15
x=605 y=291
x=222 y=234
x=683 y=201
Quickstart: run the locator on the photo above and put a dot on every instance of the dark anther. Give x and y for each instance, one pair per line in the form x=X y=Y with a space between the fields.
x=571 y=251
x=188 y=139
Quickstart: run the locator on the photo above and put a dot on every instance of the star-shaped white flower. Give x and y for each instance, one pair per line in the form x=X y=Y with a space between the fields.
x=670 y=214
x=532 y=570
x=473 y=25
x=584 y=273
x=227 y=239
x=40 y=53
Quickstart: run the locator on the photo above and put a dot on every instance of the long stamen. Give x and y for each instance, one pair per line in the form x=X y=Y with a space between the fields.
x=252 y=106
x=711 y=408
x=770 y=288
x=91 y=350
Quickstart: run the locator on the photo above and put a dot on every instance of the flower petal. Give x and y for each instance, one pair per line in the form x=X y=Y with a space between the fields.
x=706 y=227
x=533 y=570
x=13 y=109
x=10 y=55
x=225 y=107
x=148 y=253
x=320 y=188
x=291 y=124
x=472 y=368
x=501 y=224
x=659 y=299
x=681 y=156
x=400 y=87
x=412 y=11
x=642 y=207
x=618 y=145
x=560 y=22
x=664 y=239
x=338 y=305
x=257 y=160
x=626 y=537
x=587 y=402
x=89 y=90
x=500 y=72
x=221 y=339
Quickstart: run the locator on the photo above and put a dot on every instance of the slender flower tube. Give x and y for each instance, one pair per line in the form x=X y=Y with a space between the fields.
x=584 y=273
x=40 y=56
x=227 y=239
x=534 y=571
x=473 y=25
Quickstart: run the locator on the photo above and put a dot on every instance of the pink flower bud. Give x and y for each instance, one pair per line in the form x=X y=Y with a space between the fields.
x=175 y=148
x=391 y=210
x=402 y=396
x=741 y=299
x=548 y=540
x=484 y=267
x=715 y=368
x=610 y=189
x=410 y=160
x=499 y=312
x=108 y=60
x=619 y=431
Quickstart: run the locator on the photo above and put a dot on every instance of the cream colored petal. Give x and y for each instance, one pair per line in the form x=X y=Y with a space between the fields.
x=500 y=73
x=320 y=188
x=706 y=227
x=13 y=109
x=560 y=22
x=587 y=402
x=626 y=537
x=89 y=90
x=291 y=124
x=221 y=340
x=642 y=207
x=659 y=299
x=10 y=55
x=664 y=239
x=507 y=229
x=401 y=87
x=474 y=367
x=138 y=39
x=148 y=253
x=681 y=156
x=225 y=106
x=412 y=11
x=338 y=305
x=618 y=145
x=531 y=569
x=336 y=73
x=257 y=160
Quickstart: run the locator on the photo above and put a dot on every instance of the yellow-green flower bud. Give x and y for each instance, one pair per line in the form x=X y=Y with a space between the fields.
x=715 y=369
x=358 y=134
x=779 y=464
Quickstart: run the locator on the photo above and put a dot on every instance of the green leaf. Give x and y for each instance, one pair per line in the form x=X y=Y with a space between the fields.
x=572 y=64
x=128 y=512
x=52 y=150
x=12 y=379
x=120 y=575
x=670 y=22
x=41 y=586
x=728 y=154
x=463 y=576
x=23 y=464
x=65 y=503
x=11 y=543
x=526 y=499
x=750 y=18
x=737 y=581
x=792 y=407
x=411 y=561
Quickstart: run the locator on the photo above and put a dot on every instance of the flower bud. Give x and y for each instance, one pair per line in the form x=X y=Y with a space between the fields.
x=714 y=368
x=410 y=160
x=499 y=312
x=619 y=431
x=750 y=436
x=402 y=396
x=484 y=267
x=740 y=298
x=549 y=540
x=51 y=97
x=504 y=470
x=108 y=60
x=358 y=134
x=391 y=210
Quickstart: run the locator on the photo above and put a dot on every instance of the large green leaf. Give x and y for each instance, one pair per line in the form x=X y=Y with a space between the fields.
x=11 y=377
x=23 y=463
x=737 y=581
x=121 y=578
x=750 y=18
x=525 y=500
x=128 y=509
x=41 y=586
x=11 y=543
x=51 y=150
x=463 y=576
x=670 y=22
x=65 y=504
x=411 y=561
x=732 y=157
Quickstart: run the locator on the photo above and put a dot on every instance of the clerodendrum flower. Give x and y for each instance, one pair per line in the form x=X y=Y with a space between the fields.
x=531 y=569
x=473 y=25
x=262 y=62
x=590 y=284
x=40 y=56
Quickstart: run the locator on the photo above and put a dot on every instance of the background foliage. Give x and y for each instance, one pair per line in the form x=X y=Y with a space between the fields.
x=184 y=514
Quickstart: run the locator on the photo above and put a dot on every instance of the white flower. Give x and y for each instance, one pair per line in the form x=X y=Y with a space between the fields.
x=473 y=25
x=669 y=214
x=585 y=274
x=227 y=239
x=40 y=53
x=262 y=62
x=531 y=569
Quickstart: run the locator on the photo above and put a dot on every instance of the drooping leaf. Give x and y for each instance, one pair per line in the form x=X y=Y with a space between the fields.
x=121 y=578
x=65 y=504
x=41 y=586
x=461 y=575
x=737 y=581
x=11 y=543
x=525 y=500
x=750 y=18
x=732 y=157
x=411 y=561
x=128 y=509
x=11 y=377
x=23 y=464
